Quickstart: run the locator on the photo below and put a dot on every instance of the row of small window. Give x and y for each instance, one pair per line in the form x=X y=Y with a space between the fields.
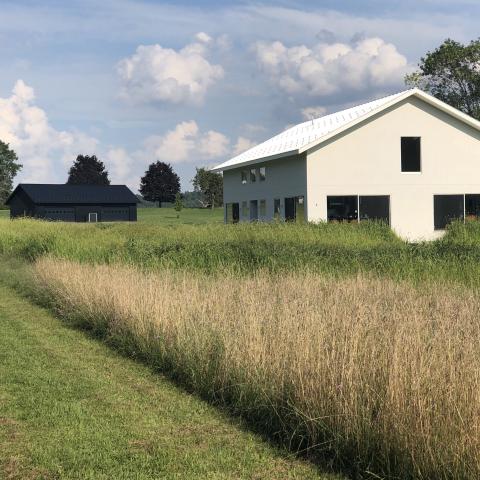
x=257 y=210
x=252 y=210
x=252 y=175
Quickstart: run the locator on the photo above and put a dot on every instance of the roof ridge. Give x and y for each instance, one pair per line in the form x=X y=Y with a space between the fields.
x=303 y=136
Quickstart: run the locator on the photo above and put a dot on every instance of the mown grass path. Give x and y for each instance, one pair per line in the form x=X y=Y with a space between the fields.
x=71 y=408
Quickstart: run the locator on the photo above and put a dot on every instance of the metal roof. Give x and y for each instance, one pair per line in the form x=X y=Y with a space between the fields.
x=306 y=135
x=76 y=194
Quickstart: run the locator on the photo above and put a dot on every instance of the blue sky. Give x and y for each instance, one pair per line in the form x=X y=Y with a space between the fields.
x=194 y=83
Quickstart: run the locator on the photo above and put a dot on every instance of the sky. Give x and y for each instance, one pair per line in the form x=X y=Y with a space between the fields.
x=193 y=83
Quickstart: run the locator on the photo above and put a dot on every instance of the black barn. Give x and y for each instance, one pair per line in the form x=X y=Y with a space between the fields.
x=73 y=203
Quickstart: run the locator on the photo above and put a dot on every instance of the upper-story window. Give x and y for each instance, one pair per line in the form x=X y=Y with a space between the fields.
x=410 y=149
x=261 y=173
x=253 y=175
x=244 y=174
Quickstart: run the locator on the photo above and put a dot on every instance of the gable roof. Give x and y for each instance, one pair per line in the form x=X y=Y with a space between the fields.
x=75 y=194
x=306 y=135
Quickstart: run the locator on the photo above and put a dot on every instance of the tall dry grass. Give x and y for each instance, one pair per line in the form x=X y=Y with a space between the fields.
x=379 y=376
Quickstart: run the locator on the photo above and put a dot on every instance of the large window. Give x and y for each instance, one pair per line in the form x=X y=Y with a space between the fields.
x=342 y=208
x=375 y=207
x=354 y=208
x=447 y=208
x=410 y=150
x=472 y=206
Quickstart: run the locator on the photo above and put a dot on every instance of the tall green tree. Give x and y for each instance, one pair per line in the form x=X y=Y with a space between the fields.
x=160 y=183
x=210 y=184
x=9 y=167
x=88 y=170
x=451 y=73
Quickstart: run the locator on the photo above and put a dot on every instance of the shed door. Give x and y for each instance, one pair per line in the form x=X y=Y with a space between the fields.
x=115 y=214
x=60 y=213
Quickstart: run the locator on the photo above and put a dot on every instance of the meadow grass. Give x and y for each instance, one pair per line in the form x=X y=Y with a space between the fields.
x=340 y=339
x=378 y=376
x=335 y=249
x=72 y=408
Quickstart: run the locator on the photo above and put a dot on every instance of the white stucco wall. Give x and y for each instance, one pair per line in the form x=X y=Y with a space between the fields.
x=285 y=177
x=367 y=161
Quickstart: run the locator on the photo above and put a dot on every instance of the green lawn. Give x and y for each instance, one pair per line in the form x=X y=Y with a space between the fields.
x=71 y=408
x=168 y=216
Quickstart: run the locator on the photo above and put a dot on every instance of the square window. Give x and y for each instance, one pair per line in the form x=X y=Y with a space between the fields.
x=262 y=172
x=447 y=208
x=342 y=208
x=375 y=207
x=253 y=175
x=410 y=151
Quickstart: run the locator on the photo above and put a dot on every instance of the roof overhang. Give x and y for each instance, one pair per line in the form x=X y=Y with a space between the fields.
x=254 y=161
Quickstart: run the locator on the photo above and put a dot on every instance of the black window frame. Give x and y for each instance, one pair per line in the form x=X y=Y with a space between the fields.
x=411 y=146
x=338 y=199
x=379 y=216
x=440 y=222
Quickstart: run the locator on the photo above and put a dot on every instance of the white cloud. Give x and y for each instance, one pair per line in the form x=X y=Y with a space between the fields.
x=242 y=145
x=155 y=73
x=326 y=69
x=26 y=128
x=119 y=164
x=309 y=113
x=185 y=143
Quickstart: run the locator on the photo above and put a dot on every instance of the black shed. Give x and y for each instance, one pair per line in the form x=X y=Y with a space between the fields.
x=73 y=203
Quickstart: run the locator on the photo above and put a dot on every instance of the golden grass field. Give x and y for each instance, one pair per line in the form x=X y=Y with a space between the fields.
x=378 y=375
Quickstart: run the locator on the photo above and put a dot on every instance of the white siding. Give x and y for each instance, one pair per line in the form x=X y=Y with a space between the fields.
x=366 y=161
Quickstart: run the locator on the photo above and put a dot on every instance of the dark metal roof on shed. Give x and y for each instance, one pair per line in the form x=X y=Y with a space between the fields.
x=76 y=194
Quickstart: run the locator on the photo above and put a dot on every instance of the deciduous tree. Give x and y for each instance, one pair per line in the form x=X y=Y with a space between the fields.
x=452 y=74
x=160 y=183
x=9 y=167
x=210 y=184
x=88 y=170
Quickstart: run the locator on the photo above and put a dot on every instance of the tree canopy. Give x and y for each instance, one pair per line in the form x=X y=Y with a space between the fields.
x=451 y=73
x=88 y=170
x=160 y=183
x=9 y=167
x=210 y=184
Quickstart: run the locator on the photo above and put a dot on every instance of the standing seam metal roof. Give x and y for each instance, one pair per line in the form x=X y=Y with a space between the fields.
x=307 y=132
x=76 y=194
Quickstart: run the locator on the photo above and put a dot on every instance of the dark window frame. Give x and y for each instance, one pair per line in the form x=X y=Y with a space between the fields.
x=436 y=198
x=354 y=211
x=411 y=146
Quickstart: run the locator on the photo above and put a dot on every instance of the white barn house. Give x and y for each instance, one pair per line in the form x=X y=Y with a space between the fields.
x=407 y=159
